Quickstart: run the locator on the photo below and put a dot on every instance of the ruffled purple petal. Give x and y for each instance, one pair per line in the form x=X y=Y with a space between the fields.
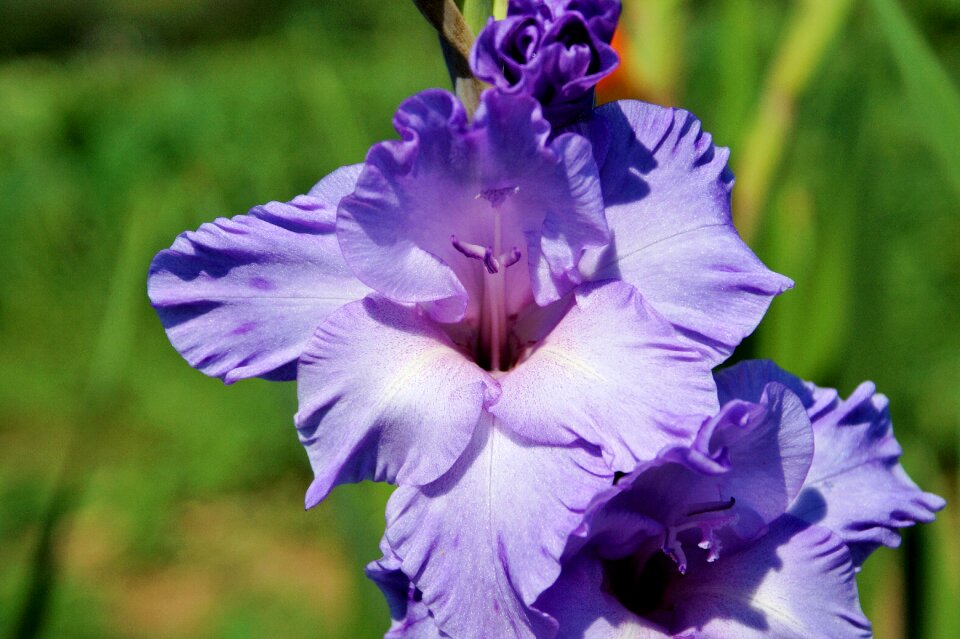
x=667 y=193
x=856 y=485
x=796 y=582
x=484 y=541
x=741 y=473
x=553 y=51
x=384 y=395
x=241 y=297
x=421 y=200
x=612 y=373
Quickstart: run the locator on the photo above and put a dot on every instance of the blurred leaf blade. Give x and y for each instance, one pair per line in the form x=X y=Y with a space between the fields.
x=930 y=91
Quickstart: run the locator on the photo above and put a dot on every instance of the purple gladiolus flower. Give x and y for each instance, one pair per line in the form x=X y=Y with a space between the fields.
x=495 y=319
x=553 y=50
x=756 y=530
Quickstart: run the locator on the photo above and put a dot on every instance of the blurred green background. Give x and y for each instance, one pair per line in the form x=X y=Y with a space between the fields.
x=140 y=499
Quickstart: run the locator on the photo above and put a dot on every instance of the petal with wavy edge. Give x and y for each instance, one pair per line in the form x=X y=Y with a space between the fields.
x=384 y=395
x=241 y=297
x=612 y=373
x=449 y=178
x=795 y=582
x=667 y=194
x=856 y=485
x=484 y=541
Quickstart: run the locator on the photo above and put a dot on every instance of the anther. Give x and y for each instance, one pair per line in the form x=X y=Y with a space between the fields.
x=492 y=263
x=477 y=252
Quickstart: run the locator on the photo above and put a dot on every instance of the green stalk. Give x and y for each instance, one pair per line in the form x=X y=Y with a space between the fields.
x=813 y=26
x=455 y=42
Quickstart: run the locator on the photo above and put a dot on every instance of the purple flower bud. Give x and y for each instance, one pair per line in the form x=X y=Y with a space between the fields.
x=553 y=50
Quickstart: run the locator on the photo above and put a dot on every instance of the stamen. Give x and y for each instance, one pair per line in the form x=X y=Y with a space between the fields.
x=493 y=266
x=708 y=525
x=477 y=252
x=485 y=255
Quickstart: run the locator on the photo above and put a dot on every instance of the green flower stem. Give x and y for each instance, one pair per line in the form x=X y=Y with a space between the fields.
x=812 y=28
x=455 y=41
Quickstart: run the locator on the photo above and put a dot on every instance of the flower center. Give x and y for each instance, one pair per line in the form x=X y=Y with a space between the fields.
x=641 y=580
x=640 y=586
x=491 y=350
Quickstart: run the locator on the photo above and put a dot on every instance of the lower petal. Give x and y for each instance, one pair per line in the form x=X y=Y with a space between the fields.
x=612 y=373
x=795 y=582
x=384 y=395
x=485 y=541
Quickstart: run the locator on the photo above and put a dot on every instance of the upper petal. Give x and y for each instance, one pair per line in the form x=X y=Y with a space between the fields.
x=667 y=193
x=240 y=297
x=612 y=373
x=385 y=395
x=494 y=182
x=484 y=541
x=796 y=582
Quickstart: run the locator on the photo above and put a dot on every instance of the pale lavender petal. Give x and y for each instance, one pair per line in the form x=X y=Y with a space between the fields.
x=796 y=582
x=484 y=541
x=444 y=184
x=612 y=373
x=667 y=194
x=241 y=297
x=856 y=486
x=385 y=395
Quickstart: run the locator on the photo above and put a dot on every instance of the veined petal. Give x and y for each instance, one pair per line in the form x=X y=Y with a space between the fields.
x=667 y=194
x=241 y=297
x=484 y=541
x=856 y=486
x=796 y=582
x=493 y=183
x=612 y=373
x=385 y=395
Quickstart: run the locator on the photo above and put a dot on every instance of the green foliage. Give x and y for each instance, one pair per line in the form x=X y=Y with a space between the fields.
x=138 y=498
